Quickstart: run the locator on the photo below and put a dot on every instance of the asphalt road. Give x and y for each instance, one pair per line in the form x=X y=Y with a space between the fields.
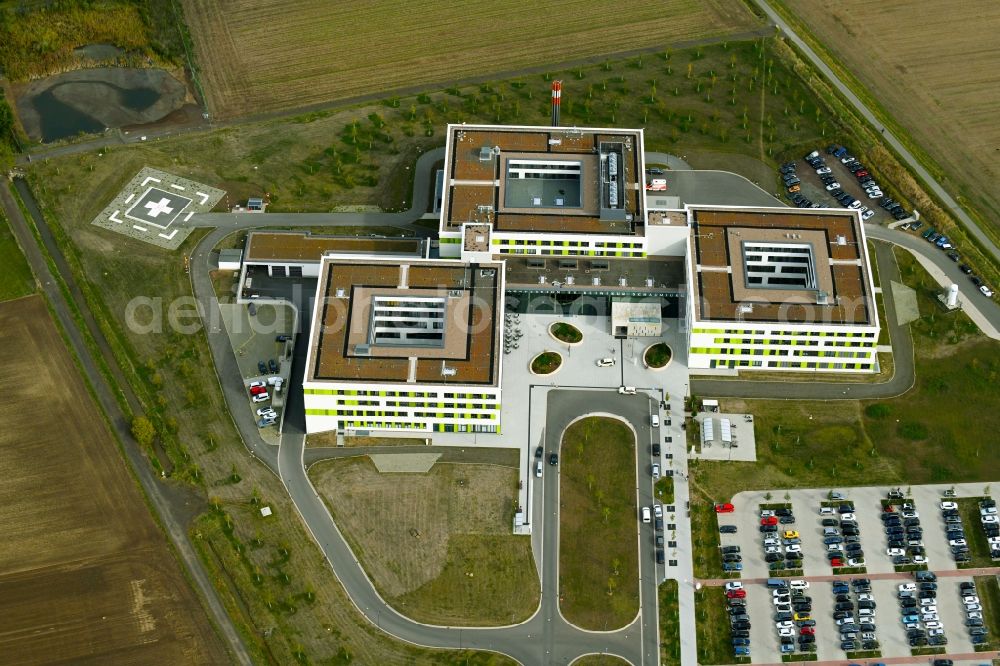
x=887 y=135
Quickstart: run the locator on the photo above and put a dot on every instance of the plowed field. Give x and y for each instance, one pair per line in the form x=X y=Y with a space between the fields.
x=264 y=55
x=933 y=66
x=86 y=576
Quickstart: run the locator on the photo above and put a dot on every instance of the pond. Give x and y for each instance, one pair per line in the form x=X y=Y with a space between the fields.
x=58 y=120
x=88 y=101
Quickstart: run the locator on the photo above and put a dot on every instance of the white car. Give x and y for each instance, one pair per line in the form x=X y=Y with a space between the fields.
x=865 y=596
x=735 y=585
x=845 y=620
x=856 y=205
x=823 y=170
x=929 y=608
x=875 y=194
x=934 y=624
x=656 y=470
x=266 y=411
x=867 y=215
x=892 y=552
x=261 y=397
x=834 y=546
x=929 y=617
x=988 y=511
x=910 y=513
x=927 y=602
x=958 y=542
x=787 y=624
x=970 y=599
x=779 y=593
x=827 y=511
x=794 y=548
x=256 y=384
x=847 y=516
x=772 y=542
x=786 y=632
x=658 y=510
x=766 y=513
x=832 y=186
x=866 y=612
x=538 y=472
x=973 y=607
x=908 y=587
x=856 y=562
x=769 y=550
x=919 y=559
x=605 y=362
x=647 y=517
x=936 y=632
x=974 y=615
x=798 y=584
x=948 y=506
x=987 y=292
x=990 y=520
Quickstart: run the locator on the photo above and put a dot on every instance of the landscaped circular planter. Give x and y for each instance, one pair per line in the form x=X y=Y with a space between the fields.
x=546 y=363
x=657 y=356
x=568 y=334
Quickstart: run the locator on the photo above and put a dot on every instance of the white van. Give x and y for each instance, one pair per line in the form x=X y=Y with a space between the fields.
x=646 y=517
x=626 y=390
x=654 y=420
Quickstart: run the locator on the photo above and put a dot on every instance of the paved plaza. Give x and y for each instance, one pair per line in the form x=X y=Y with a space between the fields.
x=156 y=207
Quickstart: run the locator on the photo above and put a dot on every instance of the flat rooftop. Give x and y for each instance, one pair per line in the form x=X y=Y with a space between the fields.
x=299 y=246
x=780 y=265
x=544 y=179
x=420 y=321
x=652 y=275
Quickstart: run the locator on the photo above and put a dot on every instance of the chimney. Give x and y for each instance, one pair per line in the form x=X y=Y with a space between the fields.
x=556 y=99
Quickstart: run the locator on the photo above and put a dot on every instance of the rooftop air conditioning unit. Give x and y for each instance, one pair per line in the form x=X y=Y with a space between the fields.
x=446 y=371
x=596 y=282
x=622 y=282
x=341 y=292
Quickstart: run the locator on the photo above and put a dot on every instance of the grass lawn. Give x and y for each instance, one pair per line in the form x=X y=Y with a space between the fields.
x=600 y=660
x=989 y=598
x=598 y=552
x=17 y=278
x=714 y=634
x=566 y=332
x=546 y=362
x=437 y=545
x=705 y=533
x=658 y=355
x=664 y=490
x=933 y=434
x=670 y=628
x=979 y=549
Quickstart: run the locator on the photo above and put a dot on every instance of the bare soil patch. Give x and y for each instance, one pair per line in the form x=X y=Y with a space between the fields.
x=437 y=545
x=82 y=563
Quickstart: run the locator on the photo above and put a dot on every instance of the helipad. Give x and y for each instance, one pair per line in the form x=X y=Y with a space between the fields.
x=155 y=205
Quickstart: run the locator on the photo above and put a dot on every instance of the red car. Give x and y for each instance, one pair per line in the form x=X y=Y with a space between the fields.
x=889 y=508
x=257 y=390
x=736 y=594
x=808 y=631
x=836 y=562
x=769 y=520
x=724 y=508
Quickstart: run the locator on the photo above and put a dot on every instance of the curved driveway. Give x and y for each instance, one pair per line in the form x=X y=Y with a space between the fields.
x=545 y=637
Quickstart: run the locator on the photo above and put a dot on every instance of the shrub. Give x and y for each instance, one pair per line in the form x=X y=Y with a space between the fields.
x=877 y=411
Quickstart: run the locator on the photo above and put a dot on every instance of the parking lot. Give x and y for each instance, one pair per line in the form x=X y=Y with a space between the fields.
x=888 y=630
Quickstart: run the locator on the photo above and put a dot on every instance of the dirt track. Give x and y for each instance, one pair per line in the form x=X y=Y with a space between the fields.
x=82 y=564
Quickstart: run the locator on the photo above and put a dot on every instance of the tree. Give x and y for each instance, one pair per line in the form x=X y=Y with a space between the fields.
x=143 y=430
x=606 y=511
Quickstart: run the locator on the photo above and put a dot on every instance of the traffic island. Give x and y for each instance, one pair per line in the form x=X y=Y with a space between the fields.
x=598 y=519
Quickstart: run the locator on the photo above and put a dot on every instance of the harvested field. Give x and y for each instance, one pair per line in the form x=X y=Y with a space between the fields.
x=85 y=574
x=248 y=65
x=437 y=545
x=932 y=66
